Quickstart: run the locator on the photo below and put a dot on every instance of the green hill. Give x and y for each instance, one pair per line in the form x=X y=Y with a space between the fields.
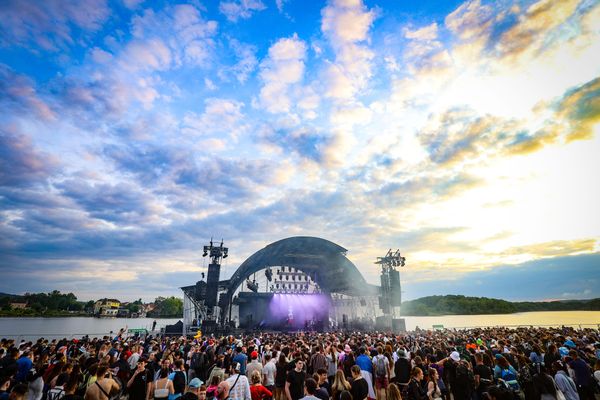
x=463 y=305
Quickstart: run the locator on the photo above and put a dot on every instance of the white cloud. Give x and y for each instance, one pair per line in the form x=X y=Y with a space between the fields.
x=182 y=28
x=346 y=24
x=240 y=9
x=283 y=67
x=429 y=32
x=221 y=116
x=247 y=60
x=210 y=85
x=470 y=19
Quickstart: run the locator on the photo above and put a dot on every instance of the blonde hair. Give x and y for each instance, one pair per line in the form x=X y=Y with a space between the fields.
x=340 y=383
x=393 y=392
x=255 y=378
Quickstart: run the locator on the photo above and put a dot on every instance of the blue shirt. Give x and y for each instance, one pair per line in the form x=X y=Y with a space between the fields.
x=582 y=372
x=24 y=364
x=242 y=359
x=364 y=362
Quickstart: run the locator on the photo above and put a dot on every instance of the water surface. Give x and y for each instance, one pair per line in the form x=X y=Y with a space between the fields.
x=33 y=328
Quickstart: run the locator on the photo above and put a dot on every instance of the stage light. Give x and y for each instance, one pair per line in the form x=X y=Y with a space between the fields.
x=269 y=274
x=252 y=285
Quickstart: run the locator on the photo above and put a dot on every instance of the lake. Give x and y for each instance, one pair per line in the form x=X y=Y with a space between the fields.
x=33 y=328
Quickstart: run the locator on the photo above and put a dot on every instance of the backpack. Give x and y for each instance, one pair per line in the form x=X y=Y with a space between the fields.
x=525 y=376
x=380 y=370
x=55 y=394
x=179 y=382
x=464 y=376
x=197 y=360
x=510 y=378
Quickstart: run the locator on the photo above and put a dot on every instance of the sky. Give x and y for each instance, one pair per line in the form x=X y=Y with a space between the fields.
x=465 y=134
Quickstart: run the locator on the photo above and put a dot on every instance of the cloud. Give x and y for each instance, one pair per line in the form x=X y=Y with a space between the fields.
x=152 y=55
x=558 y=248
x=283 y=67
x=470 y=19
x=280 y=4
x=177 y=173
x=247 y=60
x=304 y=142
x=221 y=116
x=429 y=32
x=533 y=26
x=19 y=94
x=182 y=28
x=51 y=25
x=346 y=24
x=240 y=9
x=580 y=107
x=122 y=204
x=20 y=163
x=573 y=277
x=462 y=135
x=165 y=128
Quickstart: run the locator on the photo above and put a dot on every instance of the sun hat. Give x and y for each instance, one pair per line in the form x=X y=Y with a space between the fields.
x=347 y=349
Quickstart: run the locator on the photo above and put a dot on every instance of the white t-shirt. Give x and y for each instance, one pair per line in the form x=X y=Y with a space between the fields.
x=133 y=360
x=241 y=390
x=269 y=371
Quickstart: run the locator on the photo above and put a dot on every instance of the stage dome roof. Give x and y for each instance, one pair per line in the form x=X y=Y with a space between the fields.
x=322 y=259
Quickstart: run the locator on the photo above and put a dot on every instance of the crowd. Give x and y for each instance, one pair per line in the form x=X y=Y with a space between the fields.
x=477 y=364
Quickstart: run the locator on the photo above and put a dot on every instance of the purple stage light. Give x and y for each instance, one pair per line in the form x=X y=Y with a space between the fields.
x=296 y=310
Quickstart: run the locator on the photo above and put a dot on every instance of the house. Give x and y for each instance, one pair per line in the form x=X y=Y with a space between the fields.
x=18 y=305
x=107 y=307
x=123 y=312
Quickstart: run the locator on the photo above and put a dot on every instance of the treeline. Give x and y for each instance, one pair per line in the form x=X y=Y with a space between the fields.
x=47 y=304
x=170 y=307
x=463 y=305
x=56 y=304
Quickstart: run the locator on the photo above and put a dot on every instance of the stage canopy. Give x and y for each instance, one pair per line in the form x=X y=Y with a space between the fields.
x=323 y=260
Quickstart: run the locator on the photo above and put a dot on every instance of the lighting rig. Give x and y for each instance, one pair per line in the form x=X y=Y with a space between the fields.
x=391 y=294
x=216 y=252
x=252 y=285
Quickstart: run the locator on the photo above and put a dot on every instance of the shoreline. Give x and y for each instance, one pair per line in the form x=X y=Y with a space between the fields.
x=83 y=316
x=181 y=317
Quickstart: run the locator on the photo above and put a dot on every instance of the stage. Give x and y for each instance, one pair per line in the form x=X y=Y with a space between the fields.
x=283 y=311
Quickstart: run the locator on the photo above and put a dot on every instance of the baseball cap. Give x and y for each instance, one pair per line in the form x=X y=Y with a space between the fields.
x=455 y=356
x=195 y=383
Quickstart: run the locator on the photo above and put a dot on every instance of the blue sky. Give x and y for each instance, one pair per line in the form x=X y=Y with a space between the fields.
x=466 y=134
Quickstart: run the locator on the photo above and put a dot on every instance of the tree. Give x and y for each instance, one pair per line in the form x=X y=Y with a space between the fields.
x=168 y=307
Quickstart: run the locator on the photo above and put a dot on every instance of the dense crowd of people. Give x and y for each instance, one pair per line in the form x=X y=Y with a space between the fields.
x=477 y=364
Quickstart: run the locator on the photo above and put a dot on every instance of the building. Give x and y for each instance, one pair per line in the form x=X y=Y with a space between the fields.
x=18 y=305
x=107 y=307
